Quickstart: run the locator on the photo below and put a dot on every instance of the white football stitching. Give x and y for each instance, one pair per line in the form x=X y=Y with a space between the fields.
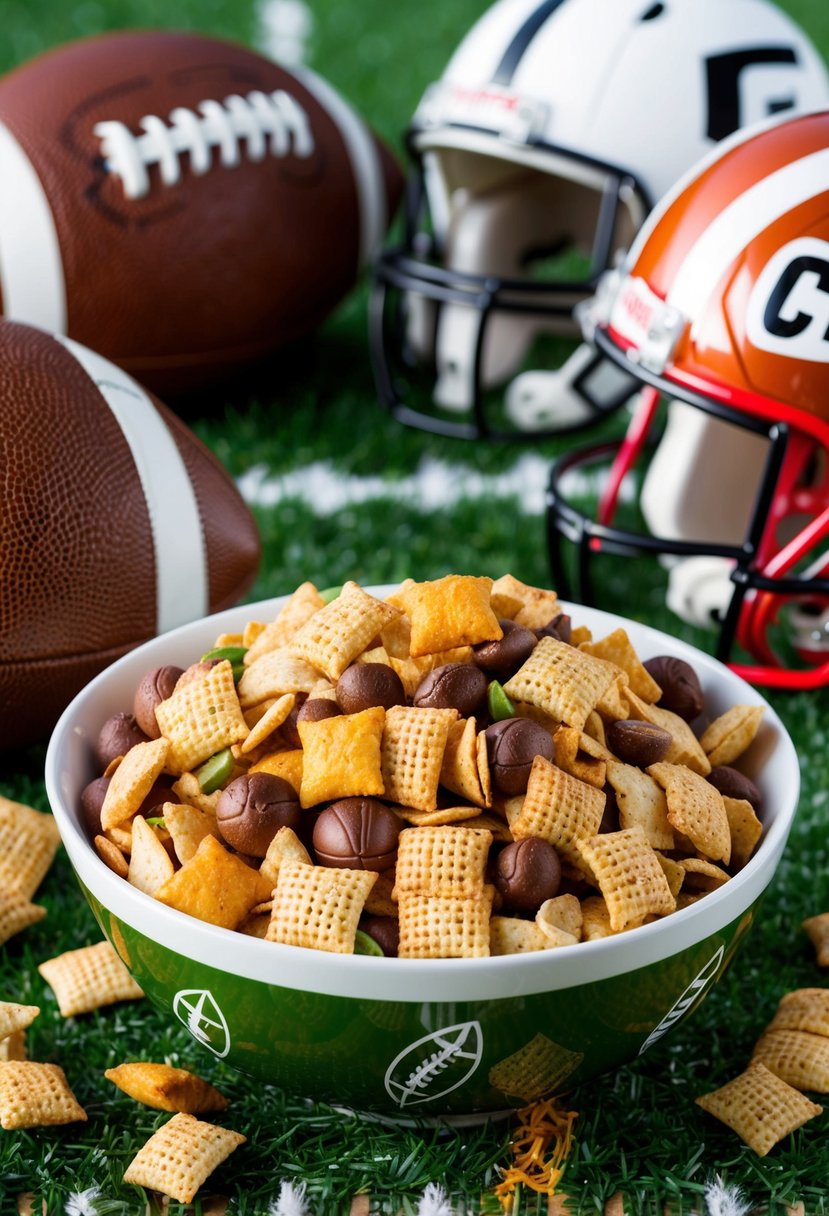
x=449 y=1051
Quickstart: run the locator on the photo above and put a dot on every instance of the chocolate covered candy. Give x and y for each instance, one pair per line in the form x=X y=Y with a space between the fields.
x=526 y=873
x=637 y=742
x=681 y=690
x=502 y=658
x=253 y=808
x=512 y=745
x=363 y=685
x=357 y=834
x=156 y=686
x=459 y=686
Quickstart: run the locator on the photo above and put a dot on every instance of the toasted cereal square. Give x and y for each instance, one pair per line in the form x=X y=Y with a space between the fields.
x=460 y=771
x=88 y=978
x=150 y=863
x=728 y=736
x=745 y=828
x=28 y=843
x=16 y=913
x=214 y=886
x=803 y=1009
x=294 y=613
x=695 y=808
x=285 y=845
x=617 y=648
x=759 y=1107
x=14 y=1017
x=448 y=860
x=318 y=907
x=333 y=637
x=798 y=1057
x=539 y=1067
x=629 y=876
x=512 y=935
x=179 y=1157
x=414 y=741
x=565 y=683
x=559 y=808
x=36 y=1095
x=641 y=800
x=272 y=676
x=132 y=781
x=450 y=611
x=444 y=926
x=341 y=756
x=816 y=929
x=537 y=605
x=13 y=1047
x=166 y=1088
x=202 y=717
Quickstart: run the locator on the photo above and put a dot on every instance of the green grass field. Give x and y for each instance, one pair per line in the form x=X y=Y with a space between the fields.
x=339 y=491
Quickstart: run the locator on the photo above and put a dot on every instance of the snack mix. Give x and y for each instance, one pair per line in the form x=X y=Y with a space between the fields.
x=454 y=771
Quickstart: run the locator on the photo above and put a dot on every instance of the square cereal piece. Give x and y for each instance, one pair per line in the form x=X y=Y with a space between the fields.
x=629 y=877
x=695 y=808
x=685 y=746
x=132 y=781
x=512 y=935
x=617 y=648
x=17 y=913
x=28 y=843
x=759 y=1107
x=333 y=637
x=745 y=828
x=414 y=741
x=181 y=1156
x=450 y=611
x=36 y=1095
x=448 y=860
x=286 y=845
x=318 y=907
x=150 y=863
x=816 y=929
x=565 y=683
x=539 y=1067
x=341 y=756
x=165 y=1088
x=641 y=800
x=273 y=675
x=202 y=717
x=14 y=1017
x=559 y=808
x=536 y=606
x=728 y=736
x=460 y=771
x=798 y=1057
x=294 y=613
x=13 y=1047
x=444 y=926
x=803 y=1009
x=214 y=886
x=89 y=978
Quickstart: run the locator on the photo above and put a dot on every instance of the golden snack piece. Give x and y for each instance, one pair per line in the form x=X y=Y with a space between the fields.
x=188 y=827
x=271 y=720
x=695 y=808
x=334 y=635
x=214 y=886
x=29 y=840
x=728 y=736
x=595 y=919
x=202 y=717
x=565 y=683
x=641 y=800
x=444 y=926
x=803 y=1009
x=13 y=1047
x=702 y=875
x=273 y=675
x=745 y=828
x=448 y=612
x=759 y=1107
x=537 y=606
x=132 y=781
x=179 y=1158
x=413 y=744
x=798 y=1057
x=616 y=647
x=816 y=929
x=559 y=808
x=14 y=1017
x=17 y=913
x=150 y=863
x=285 y=846
x=165 y=1088
x=581 y=756
x=88 y=978
x=294 y=613
x=685 y=746
x=109 y=852
x=629 y=876
x=36 y=1095
x=448 y=861
x=318 y=907
x=512 y=935
x=341 y=757
x=560 y=919
x=460 y=770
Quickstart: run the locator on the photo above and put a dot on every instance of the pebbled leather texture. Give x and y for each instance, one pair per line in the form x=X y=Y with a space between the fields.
x=77 y=563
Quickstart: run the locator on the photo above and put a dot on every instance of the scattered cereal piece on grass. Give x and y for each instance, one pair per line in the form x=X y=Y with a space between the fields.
x=759 y=1107
x=16 y=913
x=15 y=1017
x=816 y=929
x=798 y=1057
x=36 y=1095
x=180 y=1156
x=88 y=978
x=28 y=842
x=165 y=1088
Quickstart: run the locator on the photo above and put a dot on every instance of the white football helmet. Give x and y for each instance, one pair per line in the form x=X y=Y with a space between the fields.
x=554 y=130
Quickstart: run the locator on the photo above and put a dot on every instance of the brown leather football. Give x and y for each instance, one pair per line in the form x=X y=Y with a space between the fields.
x=182 y=204
x=116 y=523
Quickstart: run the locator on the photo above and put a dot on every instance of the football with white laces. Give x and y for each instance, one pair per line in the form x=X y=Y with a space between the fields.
x=182 y=204
x=118 y=524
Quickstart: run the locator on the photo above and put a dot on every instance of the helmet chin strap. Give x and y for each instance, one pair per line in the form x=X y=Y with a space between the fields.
x=545 y=398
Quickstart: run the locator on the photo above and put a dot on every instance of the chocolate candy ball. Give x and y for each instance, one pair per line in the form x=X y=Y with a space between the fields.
x=501 y=659
x=317 y=708
x=460 y=686
x=357 y=834
x=363 y=685
x=733 y=784
x=681 y=690
x=92 y=799
x=156 y=686
x=560 y=628
x=117 y=735
x=638 y=742
x=385 y=930
x=253 y=808
x=527 y=872
x=512 y=745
